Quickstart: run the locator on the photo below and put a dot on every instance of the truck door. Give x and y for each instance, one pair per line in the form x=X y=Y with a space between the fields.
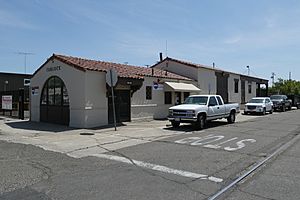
x=213 y=109
x=221 y=107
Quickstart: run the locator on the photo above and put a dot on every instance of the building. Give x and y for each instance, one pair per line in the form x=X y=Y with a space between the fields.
x=233 y=87
x=16 y=86
x=73 y=91
x=13 y=81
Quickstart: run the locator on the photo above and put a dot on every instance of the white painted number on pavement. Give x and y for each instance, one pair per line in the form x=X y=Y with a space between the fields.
x=209 y=141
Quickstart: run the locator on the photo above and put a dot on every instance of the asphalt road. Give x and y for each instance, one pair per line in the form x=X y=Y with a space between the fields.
x=188 y=165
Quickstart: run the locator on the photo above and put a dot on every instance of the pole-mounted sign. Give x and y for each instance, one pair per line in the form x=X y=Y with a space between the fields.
x=111 y=80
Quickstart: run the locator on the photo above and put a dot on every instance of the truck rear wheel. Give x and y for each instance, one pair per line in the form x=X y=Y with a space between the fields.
x=231 y=118
x=175 y=124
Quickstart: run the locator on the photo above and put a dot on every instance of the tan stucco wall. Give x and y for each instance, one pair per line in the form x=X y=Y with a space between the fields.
x=87 y=107
x=156 y=107
x=232 y=96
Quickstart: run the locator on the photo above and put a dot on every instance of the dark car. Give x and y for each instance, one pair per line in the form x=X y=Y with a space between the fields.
x=295 y=100
x=281 y=102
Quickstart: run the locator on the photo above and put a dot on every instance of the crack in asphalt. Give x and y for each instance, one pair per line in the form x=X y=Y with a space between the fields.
x=255 y=195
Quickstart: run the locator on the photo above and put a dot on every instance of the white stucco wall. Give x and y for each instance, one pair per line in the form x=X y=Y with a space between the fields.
x=207 y=81
x=177 y=68
x=232 y=96
x=96 y=111
x=86 y=90
x=248 y=96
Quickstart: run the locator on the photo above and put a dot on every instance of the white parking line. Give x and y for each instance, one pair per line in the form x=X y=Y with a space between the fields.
x=159 y=168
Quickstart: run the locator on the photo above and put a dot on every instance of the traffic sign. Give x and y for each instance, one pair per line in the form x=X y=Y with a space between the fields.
x=111 y=77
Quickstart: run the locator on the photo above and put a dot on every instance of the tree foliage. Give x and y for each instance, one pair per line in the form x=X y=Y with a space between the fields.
x=286 y=87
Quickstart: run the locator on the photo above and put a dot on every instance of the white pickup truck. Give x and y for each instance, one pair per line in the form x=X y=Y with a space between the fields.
x=199 y=109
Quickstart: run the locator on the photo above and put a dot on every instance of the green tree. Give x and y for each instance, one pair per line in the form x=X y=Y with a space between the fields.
x=285 y=87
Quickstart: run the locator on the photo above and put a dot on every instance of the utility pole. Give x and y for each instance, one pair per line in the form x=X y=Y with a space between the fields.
x=25 y=54
x=290 y=76
x=248 y=68
x=273 y=78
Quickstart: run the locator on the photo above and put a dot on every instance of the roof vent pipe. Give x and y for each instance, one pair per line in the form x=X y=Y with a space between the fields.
x=160 y=56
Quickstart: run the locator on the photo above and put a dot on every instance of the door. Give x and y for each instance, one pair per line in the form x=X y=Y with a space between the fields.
x=222 y=85
x=243 y=91
x=213 y=109
x=122 y=105
x=177 y=98
x=54 y=105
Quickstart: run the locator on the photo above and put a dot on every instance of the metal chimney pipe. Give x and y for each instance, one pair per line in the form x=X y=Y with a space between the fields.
x=160 y=56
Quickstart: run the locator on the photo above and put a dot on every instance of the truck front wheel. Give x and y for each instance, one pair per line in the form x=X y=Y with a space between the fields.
x=201 y=122
x=231 y=118
x=175 y=124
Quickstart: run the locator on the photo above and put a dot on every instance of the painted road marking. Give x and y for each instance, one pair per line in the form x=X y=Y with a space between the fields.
x=206 y=141
x=159 y=168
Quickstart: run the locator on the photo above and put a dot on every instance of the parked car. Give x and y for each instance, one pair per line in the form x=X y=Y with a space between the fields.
x=281 y=102
x=259 y=105
x=295 y=100
x=199 y=109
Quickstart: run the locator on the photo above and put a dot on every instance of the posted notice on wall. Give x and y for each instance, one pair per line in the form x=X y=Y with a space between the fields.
x=7 y=102
x=35 y=90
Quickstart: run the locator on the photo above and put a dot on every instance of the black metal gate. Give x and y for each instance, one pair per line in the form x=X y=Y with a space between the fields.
x=122 y=105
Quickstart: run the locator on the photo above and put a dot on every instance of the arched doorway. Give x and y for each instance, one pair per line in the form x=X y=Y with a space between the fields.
x=54 y=106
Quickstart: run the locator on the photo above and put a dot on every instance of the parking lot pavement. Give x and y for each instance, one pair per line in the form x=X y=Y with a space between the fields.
x=200 y=161
x=68 y=140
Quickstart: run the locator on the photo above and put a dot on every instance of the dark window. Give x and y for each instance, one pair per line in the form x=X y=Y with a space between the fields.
x=212 y=101
x=148 y=92
x=54 y=93
x=220 y=101
x=249 y=88
x=168 y=98
x=185 y=95
x=236 y=85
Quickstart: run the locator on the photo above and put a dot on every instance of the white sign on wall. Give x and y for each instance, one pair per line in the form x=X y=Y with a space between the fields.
x=157 y=86
x=35 y=90
x=7 y=102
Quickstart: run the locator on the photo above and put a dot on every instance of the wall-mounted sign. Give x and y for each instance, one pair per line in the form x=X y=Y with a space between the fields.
x=51 y=69
x=157 y=86
x=7 y=102
x=35 y=90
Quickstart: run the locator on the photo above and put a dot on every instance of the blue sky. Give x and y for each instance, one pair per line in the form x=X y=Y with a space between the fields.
x=264 y=34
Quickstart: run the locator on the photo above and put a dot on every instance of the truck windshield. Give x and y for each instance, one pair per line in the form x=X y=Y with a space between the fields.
x=196 y=100
x=256 y=101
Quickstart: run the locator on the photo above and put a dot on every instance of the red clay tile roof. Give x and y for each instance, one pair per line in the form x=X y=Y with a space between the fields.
x=124 y=71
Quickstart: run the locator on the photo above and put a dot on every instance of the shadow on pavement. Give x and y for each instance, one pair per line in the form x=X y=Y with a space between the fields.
x=191 y=127
x=39 y=126
x=42 y=126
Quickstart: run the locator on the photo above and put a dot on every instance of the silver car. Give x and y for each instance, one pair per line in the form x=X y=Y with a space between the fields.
x=259 y=105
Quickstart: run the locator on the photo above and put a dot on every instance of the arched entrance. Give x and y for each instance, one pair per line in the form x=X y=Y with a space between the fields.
x=54 y=106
